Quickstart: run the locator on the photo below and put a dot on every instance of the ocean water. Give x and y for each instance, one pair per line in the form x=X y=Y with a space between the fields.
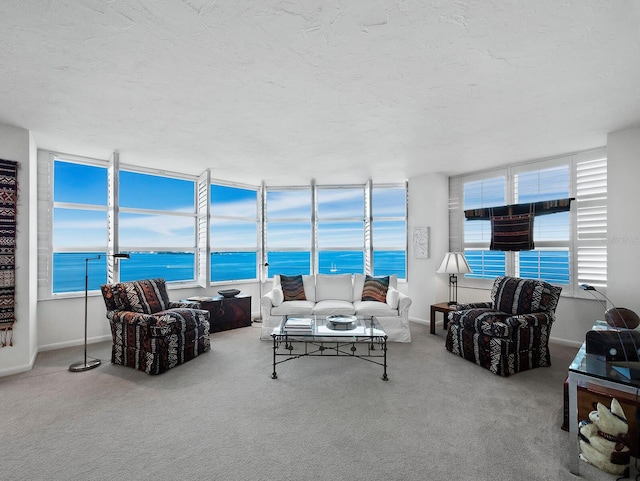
x=551 y=266
x=69 y=268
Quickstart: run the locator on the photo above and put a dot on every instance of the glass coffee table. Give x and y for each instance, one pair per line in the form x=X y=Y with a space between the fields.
x=329 y=336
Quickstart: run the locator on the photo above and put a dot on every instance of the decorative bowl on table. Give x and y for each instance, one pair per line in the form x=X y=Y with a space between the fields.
x=228 y=292
x=341 y=322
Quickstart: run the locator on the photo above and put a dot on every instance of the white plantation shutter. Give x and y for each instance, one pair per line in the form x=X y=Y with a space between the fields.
x=45 y=208
x=113 y=266
x=591 y=225
x=202 y=227
x=368 y=237
x=456 y=235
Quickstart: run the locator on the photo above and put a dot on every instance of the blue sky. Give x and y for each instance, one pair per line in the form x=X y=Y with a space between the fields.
x=233 y=210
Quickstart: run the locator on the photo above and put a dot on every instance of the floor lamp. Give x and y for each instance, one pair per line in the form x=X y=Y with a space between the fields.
x=86 y=365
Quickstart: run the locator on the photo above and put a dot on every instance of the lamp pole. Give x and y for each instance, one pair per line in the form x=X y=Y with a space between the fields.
x=93 y=363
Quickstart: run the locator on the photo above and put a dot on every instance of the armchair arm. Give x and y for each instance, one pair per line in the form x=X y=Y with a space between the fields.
x=474 y=305
x=184 y=304
x=164 y=322
x=534 y=319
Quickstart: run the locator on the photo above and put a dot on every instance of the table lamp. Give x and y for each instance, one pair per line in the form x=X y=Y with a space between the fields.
x=452 y=264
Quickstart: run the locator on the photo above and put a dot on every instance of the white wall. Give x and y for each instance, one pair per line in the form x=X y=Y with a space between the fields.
x=16 y=144
x=623 y=218
x=428 y=207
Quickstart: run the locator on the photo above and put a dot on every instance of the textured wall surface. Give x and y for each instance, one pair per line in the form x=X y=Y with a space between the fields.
x=326 y=89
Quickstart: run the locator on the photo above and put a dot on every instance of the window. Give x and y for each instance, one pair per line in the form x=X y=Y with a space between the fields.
x=157 y=225
x=550 y=260
x=389 y=230
x=341 y=216
x=570 y=247
x=195 y=230
x=79 y=225
x=288 y=226
x=234 y=232
x=352 y=229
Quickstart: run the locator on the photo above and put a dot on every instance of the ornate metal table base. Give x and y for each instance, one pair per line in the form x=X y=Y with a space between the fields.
x=373 y=349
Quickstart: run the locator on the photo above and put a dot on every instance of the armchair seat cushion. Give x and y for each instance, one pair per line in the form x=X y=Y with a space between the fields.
x=483 y=321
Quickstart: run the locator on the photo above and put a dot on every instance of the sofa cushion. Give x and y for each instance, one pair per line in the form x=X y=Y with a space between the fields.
x=292 y=288
x=334 y=287
x=358 y=285
x=375 y=289
x=309 y=282
x=373 y=308
x=293 y=307
x=333 y=307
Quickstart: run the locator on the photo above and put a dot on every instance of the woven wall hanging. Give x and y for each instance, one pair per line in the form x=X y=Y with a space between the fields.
x=8 y=201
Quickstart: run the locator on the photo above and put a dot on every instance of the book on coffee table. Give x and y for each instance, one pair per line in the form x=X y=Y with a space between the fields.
x=298 y=324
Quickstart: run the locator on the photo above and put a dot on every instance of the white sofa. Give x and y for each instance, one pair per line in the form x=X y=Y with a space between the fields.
x=338 y=294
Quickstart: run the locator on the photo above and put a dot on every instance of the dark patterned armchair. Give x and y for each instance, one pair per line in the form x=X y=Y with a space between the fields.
x=509 y=334
x=151 y=333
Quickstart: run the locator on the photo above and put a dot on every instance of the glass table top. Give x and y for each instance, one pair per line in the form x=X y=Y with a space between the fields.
x=594 y=366
x=329 y=326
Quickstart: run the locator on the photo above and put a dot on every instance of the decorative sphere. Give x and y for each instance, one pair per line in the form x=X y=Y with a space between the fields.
x=621 y=317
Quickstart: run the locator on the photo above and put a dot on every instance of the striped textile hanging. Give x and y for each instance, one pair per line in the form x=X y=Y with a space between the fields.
x=8 y=201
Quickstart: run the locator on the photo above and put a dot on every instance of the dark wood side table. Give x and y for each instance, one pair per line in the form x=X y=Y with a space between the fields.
x=443 y=307
x=227 y=312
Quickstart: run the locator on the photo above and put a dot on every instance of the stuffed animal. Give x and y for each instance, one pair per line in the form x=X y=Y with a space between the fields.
x=604 y=441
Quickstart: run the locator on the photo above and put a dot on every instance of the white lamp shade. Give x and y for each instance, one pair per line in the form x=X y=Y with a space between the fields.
x=454 y=263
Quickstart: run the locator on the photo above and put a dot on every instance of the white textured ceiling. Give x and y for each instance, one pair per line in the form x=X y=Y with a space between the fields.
x=338 y=91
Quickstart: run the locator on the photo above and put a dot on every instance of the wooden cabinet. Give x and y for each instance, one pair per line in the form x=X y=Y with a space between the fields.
x=227 y=312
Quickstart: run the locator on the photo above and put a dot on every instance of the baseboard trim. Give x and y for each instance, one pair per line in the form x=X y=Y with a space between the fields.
x=565 y=342
x=18 y=369
x=75 y=342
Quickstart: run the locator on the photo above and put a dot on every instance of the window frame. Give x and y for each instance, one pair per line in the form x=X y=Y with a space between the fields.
x=247 y=219
x=310 y=221
x=321 y=221
x=575 y=244
x=201 y=246
x=119 y=210
x=46 y=248
x=368 y=250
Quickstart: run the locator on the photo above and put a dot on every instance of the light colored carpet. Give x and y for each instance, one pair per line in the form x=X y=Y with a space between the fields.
x=222 y=417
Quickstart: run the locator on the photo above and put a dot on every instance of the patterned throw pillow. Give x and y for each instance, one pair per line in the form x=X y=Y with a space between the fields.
x=375 y=289
x=292 y=288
